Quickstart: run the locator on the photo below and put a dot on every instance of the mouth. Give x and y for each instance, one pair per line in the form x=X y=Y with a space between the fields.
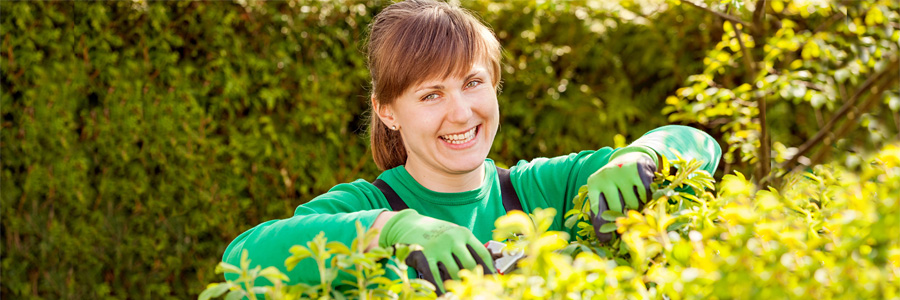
x=462 y=137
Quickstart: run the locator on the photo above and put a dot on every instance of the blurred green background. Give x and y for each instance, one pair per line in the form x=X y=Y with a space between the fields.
x=139 y=138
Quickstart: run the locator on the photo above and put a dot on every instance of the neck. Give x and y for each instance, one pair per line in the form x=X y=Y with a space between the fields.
x=445 y=182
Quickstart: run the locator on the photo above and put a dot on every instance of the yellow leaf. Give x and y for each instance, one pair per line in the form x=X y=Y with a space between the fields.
x=860 y=29
x=619 y=140
x=874 y=17
x=777 y=6
x=516 y=222
x=722 y=56
x=671 y=100
x=810 y=50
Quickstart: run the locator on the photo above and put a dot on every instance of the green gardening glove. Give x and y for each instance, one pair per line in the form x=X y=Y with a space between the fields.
x=447 y=247
x=622 y=183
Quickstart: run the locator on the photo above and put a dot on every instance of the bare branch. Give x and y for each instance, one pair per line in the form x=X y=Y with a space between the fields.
x=725 y=16
x=764 y=149
x=759 y=14
x=810 y=85
x=748 y=57
x=897 y=122
x=850 y=122
x=868 y=84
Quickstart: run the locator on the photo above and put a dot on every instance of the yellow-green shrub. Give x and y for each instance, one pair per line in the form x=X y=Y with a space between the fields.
x=832 y=234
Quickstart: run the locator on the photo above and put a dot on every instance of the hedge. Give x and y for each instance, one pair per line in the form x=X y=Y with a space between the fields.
x=139 y=138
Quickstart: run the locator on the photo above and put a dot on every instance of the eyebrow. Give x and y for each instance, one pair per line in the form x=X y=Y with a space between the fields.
x=441 y=87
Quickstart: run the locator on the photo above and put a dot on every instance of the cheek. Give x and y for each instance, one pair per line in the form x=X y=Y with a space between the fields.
x=422 y=123
x=488 y=104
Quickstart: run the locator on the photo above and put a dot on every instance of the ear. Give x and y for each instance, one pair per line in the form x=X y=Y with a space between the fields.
x=384 y=112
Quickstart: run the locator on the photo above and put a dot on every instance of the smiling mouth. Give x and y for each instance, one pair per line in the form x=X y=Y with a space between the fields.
x=461 y=138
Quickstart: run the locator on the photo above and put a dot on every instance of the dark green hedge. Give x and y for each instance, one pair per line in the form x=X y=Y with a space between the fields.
x=139 y=139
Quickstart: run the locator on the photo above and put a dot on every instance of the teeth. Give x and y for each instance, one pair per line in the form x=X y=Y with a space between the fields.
x=460 y=138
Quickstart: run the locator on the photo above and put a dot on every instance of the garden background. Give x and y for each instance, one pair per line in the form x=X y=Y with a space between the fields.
x=139 y=138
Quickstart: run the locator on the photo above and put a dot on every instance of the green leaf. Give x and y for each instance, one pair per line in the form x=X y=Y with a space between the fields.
x=677 y=225
x=338 y=295
x=245 y=262
x=337 y=248
x=608 y=227
x=235 y=295
x=224 y=267
x=273 y=274
x=570 y=221
x=214 y=291
x=611 y=215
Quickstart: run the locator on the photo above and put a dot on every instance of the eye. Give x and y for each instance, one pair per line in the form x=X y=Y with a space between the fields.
x=473 y=83
x=430 y=97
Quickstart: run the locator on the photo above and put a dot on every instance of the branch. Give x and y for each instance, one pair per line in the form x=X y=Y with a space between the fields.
x=725 y=16
x=810 y=85
x=850 y=123
x=748 y=59
x=897 y=123
x=759 y=14
x=763 y=154
x=790 y=164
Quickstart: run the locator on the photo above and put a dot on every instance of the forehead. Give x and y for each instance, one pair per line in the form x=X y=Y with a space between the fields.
x=478 y=67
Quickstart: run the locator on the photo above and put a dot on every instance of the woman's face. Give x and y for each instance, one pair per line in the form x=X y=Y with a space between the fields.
x=448 y=125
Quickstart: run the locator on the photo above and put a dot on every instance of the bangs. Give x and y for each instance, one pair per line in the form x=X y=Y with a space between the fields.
x=432 y=44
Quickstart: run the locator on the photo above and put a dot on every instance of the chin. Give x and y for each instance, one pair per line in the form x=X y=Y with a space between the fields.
x=466 y=164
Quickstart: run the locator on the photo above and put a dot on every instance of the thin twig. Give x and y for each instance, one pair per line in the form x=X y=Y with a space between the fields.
x=725 y=16
x=763 y=151
x=819 y=118
x=748 y=58
x=850 y=122
x=790 y=164
x=759 y=12
x=759 y=15
x=896 y=122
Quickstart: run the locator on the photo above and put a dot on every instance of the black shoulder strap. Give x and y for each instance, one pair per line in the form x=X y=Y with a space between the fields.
x=507 y=192
x=393 y=199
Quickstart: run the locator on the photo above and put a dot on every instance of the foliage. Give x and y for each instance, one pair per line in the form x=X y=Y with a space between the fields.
x=791 y=76
x=364 y=264
x=140 y=137
x=830 y=235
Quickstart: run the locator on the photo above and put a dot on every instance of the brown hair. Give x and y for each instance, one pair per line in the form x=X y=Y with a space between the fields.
x=417 y=40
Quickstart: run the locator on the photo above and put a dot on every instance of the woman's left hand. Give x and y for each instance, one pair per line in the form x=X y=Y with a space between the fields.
x=622 y=183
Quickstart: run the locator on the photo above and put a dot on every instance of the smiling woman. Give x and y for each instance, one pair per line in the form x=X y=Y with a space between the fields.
x=405 y=35
x=435 y=74
x=452 y=124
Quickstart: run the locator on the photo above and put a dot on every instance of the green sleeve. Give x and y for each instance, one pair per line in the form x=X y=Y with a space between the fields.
x=689 y=142
x=335 y=213
x=554 y=182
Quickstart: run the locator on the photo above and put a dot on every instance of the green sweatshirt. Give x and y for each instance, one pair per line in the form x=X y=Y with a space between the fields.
x=542 y=182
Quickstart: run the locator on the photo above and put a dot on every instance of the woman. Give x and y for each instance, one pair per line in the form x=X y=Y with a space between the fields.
x=435 y=72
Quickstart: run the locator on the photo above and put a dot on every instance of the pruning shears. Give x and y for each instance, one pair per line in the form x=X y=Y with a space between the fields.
x=504 y=259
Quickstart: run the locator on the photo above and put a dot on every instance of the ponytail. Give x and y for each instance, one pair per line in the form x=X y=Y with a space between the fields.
x=387 y=145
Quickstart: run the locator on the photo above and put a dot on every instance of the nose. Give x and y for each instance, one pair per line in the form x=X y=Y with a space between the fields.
x=460 y=108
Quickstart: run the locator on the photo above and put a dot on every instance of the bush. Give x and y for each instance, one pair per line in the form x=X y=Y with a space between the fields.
x=830 y=235
x=140 y=137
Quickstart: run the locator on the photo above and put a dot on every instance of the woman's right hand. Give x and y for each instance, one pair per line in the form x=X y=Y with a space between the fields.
x=447 y=247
